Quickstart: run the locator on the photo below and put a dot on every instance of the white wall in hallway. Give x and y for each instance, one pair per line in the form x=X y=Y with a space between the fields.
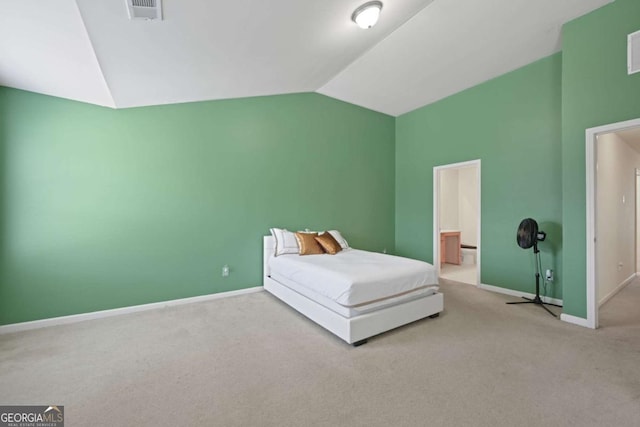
x=449 y=212
x=468 y=204
x=459 y=202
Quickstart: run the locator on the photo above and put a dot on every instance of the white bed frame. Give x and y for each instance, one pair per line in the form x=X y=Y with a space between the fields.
x=357 y=329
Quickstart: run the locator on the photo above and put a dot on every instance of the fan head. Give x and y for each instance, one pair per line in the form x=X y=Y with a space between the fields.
x=528 y=233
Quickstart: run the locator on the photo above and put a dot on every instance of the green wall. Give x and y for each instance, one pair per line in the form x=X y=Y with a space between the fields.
x=104 y=208
x=512 y=124
x=596 y=90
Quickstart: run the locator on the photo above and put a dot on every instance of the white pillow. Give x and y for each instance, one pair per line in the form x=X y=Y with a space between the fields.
x=286 y=242
x=336 y=235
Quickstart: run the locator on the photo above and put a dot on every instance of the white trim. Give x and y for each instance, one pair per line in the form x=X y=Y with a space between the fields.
x=631 y=39
x=575 y=320
x=436 y=212
x=75 y=318
x=436 y=220
x=618 y=288
x=636 y=188
x=590 y=161
x=514 y=293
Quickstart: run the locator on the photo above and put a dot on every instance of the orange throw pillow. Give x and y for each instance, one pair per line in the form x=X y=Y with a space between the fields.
x=308 y=244
x=328 y=243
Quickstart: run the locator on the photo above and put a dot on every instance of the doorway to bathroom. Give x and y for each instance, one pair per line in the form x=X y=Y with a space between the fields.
x=456 y=218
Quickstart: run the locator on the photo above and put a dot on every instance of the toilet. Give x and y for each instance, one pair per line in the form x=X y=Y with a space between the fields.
x=468 y=253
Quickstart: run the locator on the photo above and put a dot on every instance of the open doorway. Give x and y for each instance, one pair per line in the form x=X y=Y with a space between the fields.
x=613 y=161
x=456 y=213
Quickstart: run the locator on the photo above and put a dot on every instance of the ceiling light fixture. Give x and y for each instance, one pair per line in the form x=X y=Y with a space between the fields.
x=367 y=15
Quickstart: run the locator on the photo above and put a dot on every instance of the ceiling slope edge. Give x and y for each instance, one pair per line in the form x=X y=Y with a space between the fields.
x=332 y=94
x=112 y=104
x=45 y=49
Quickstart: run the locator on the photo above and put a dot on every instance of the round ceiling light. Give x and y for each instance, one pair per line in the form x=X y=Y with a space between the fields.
x=367 y=15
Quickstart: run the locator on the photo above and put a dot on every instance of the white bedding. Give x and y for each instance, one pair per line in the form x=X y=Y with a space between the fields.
x=353 y=277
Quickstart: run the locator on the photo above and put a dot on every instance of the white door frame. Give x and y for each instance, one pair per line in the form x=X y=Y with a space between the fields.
x=591 y=162
x=436 y=212
x=635 y=222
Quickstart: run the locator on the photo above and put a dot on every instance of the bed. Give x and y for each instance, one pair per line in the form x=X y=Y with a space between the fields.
x=373 y=303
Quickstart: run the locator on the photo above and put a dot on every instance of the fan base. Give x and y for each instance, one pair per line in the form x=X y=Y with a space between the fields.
x=537 y=300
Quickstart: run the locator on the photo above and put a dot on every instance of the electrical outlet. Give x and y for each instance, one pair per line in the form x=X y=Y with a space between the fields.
x=549 y=275
x=225 y=271
x=620 y=265
x=384 y=251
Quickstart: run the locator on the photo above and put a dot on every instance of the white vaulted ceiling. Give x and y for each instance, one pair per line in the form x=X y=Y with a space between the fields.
x=420 y=51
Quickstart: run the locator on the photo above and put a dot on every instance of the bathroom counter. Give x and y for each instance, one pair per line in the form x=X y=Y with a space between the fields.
x=450 y=251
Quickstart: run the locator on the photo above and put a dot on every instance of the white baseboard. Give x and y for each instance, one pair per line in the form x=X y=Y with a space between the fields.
x=63 y=320
x=511 y=292
x=575 y=320
x=564 y=317
x=617 y=289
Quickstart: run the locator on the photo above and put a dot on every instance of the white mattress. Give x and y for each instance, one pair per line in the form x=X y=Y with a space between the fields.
x=350 y=312
x=353 y=277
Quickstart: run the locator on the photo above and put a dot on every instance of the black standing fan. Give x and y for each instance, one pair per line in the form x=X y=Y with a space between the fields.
x=529 y=236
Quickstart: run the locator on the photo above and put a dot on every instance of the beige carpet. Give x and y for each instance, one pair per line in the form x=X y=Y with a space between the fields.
x=252 y=361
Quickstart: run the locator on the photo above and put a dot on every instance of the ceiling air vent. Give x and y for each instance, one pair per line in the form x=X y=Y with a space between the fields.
x=633 y=56
x=144 y=9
